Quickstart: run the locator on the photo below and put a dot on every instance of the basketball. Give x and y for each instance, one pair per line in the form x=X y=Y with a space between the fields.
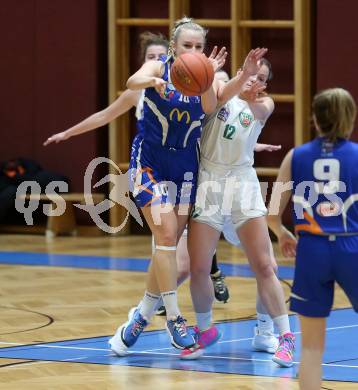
x=192 y=74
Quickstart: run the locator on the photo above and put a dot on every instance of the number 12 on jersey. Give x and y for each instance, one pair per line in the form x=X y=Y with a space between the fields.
x=229 y=132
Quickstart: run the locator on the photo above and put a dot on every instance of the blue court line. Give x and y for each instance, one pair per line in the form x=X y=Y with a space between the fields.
x=231 y=355
x=114 y=263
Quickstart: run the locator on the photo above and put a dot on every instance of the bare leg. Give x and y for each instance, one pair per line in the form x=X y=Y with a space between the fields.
x=162 y=274
x=313 y=339
x=183 y=259
x=161 y=283
x=264 y=320
x=256 y=243
x=202 y=242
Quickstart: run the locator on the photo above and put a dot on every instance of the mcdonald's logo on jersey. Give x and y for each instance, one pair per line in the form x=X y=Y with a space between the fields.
x=180 y=115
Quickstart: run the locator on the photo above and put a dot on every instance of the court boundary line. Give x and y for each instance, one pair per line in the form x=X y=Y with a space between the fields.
x=153 y=351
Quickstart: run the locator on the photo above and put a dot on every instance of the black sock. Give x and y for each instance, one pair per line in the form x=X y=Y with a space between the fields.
x=214 y=265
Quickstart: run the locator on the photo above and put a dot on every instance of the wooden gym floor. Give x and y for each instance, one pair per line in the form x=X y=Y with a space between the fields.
x=53 y=291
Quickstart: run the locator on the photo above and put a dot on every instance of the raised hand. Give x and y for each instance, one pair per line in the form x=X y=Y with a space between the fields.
x=253 y=92
x=56 y=138
x=218 y=59
x=252 y=61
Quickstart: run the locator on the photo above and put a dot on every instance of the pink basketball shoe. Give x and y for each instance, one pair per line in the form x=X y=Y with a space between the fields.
x=203 y=339
x=284 y=354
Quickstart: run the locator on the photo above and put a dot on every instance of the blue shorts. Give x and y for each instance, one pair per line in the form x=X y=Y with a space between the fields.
x=162 y=175
x=320 y=262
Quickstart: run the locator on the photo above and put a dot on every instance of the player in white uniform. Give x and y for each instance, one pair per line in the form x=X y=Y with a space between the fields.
x=229 y=192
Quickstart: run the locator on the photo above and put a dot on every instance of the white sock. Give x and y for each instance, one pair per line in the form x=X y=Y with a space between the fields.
x=282 y=324
x=264 y=323
x=159 y=303
x=148 y=304
x=170 y=301
x=264 y=320
x=204 y=320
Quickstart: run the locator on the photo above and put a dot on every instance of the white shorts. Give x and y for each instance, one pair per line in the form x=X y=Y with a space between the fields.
x=224 y=196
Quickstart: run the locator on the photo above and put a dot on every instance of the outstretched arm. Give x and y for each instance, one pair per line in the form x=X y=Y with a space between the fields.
x=209 y=98
x=278 y=203
x=149 y=75
x=260 y=104
x=124 y=103
x=251 y=66
x=266 y=148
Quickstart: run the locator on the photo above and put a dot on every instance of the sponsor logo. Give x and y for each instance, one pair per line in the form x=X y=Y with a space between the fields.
x=179 y=115
x=223 y=114
x=245 y=119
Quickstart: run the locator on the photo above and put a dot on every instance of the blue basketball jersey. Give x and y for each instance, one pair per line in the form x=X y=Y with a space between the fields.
x=171 y=119
x=325 y=187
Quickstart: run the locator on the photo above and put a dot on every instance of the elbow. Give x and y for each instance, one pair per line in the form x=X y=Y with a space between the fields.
x=130 y=84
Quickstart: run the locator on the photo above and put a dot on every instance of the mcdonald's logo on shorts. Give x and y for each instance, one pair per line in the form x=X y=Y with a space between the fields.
x=180 y=115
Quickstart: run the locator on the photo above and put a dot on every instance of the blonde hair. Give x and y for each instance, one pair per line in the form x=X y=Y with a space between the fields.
x=335 y=111
x=147 y=39
x=184 y=23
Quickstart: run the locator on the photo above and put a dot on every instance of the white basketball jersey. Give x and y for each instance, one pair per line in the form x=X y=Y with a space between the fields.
x=230 y=134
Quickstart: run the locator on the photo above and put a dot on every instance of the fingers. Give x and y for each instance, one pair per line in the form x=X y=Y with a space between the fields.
x=218 y=56
x=160 y=85
x=289 y=248
x=255 y=89
x=291 y=252
x=259 y=52
x=160 y=88
x=287 y=251
x=273 y=148
x=218 y=59
x=48 y=141
x=249 y=56
x=222 y=60
x=283 y=250
x=213 y=53
x=55 y=139
x=222 y=52
x=259 y=88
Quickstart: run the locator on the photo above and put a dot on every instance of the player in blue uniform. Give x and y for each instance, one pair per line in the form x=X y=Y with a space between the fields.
x=164 y=171
x=324 y=174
